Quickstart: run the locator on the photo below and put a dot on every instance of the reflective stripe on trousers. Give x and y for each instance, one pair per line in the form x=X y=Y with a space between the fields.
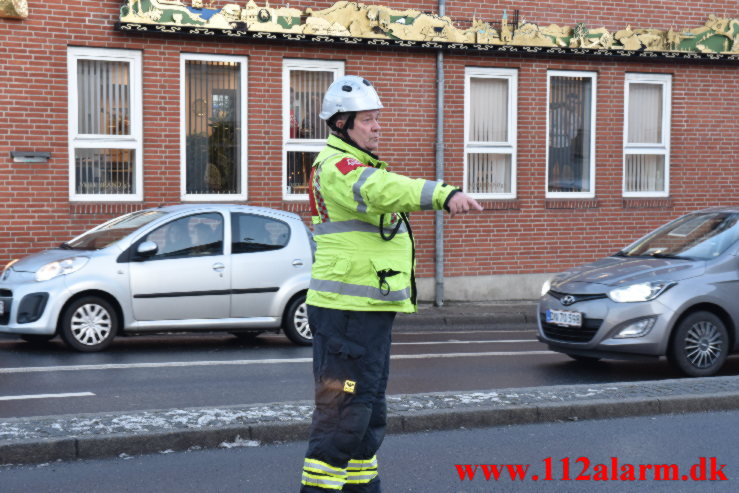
x=361 y=471
x=322 y=475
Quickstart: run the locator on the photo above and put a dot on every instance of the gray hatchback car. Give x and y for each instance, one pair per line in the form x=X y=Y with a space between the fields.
x=202 y=267
x=673 y=293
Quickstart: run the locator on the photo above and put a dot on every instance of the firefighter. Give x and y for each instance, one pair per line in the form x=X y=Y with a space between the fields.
x=362 y=276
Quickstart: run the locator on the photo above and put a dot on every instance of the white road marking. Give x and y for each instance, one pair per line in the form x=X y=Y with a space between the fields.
x=243 y=362
x=428 y=343
x=44 y=396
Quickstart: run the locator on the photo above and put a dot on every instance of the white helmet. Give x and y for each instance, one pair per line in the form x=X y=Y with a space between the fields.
x=349 y=93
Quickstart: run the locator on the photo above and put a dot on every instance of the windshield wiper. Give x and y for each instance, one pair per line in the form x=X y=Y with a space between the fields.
x=65 y=246
x=667 y=255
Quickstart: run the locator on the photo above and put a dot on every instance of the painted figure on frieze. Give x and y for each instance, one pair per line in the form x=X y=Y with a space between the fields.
x=14 y=9
x=372 y=21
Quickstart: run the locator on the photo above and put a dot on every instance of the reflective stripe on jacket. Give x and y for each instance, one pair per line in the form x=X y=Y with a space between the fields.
x=355 y=268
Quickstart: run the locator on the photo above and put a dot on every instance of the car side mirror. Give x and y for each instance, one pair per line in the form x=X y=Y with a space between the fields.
x=147 y=249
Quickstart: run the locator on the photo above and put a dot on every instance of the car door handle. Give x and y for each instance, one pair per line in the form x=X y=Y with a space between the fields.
x=297 y=262
x=218 y=267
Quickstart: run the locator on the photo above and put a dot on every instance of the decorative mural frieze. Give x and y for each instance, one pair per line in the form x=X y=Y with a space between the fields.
x=14 y=9
x=358 y=23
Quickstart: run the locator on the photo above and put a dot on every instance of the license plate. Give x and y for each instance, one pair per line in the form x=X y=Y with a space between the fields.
x=2 y=307
x=562 y=317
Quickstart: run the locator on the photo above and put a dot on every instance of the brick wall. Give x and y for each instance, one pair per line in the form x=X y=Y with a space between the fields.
x=527 y=235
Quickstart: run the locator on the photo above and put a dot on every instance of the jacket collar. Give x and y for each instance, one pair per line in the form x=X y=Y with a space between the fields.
x=365 y=157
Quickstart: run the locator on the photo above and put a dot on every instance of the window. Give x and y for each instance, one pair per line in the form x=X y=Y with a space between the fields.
x=647 y=135
x=190 y=236
x=571 y=134
x=304 y=83
x=213 y=122
x=490 y=132
x=253 y=233
x=105 y=134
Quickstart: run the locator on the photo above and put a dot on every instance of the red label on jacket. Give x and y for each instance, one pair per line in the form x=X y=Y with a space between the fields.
x=349 y=164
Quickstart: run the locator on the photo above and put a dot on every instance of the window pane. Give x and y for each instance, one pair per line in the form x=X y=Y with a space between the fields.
x=190 y=236
x=645 y=113
x=298 y=171
x=104 y=171
x=645 y=173
x=103 y=97
x=257 y=234
x=488 y=110
x=489 y=173
x=307 y=88
x=213 y=127
x=570 y=100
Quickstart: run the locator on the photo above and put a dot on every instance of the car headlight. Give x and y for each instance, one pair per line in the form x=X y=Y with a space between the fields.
x=546 y=286
x=6 y=269
x=644 y=291
x=60 y=268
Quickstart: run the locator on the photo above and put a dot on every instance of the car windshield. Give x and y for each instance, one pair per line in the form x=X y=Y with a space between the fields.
x=108 y=233
x=699 y=236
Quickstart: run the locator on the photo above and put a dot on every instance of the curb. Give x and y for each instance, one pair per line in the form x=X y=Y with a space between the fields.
x=401 y=420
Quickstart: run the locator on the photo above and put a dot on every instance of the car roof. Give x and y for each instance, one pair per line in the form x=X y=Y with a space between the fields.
x=723 y=208
x=178 y=208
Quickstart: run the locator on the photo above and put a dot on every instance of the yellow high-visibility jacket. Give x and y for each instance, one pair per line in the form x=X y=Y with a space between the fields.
x=351 y=192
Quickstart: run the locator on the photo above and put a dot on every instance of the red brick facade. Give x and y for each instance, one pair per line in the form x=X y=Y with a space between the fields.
x=527 y=235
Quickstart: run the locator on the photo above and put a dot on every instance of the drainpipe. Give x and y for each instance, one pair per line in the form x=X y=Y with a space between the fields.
x=439 y=223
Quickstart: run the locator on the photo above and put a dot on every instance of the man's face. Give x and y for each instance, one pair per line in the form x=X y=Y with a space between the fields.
x=366 y=130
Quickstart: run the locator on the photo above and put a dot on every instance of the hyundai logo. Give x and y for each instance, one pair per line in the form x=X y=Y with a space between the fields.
x=568 y=300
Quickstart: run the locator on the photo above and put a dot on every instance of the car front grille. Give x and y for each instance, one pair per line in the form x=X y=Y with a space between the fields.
x=7 y=296
x=571 y=334
x=576 y=298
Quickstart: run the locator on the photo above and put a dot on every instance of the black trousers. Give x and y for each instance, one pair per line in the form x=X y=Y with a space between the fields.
x=351 y=362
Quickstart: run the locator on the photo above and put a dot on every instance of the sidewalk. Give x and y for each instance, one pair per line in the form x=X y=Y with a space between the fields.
x=456 y=315
x=90 y=436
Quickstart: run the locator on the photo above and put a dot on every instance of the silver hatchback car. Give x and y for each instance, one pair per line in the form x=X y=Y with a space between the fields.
x=231 y=268
x=673 y=293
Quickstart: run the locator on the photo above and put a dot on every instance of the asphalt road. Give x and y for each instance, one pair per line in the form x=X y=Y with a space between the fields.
x=159 y=372
x=427 y=462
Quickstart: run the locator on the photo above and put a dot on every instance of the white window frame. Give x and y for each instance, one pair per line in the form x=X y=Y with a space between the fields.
x=663 y=149
x=593 y=109
x=300 y=145
x=133 y=141
x=510 y=146
x=243 y=76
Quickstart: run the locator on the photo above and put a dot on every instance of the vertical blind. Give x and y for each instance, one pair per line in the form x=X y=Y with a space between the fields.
x=645 y=172
x=103 y=108
x=488 y=172
x=103 y=97
x=570 y=113
x=307 y=88
x=213 y=127
x=488 y=110
x=645 y=113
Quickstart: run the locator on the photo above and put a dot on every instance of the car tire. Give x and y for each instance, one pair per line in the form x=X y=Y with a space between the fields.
x=699 y=345
x=295 y=322
x=89 y=324
x=583 y=359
